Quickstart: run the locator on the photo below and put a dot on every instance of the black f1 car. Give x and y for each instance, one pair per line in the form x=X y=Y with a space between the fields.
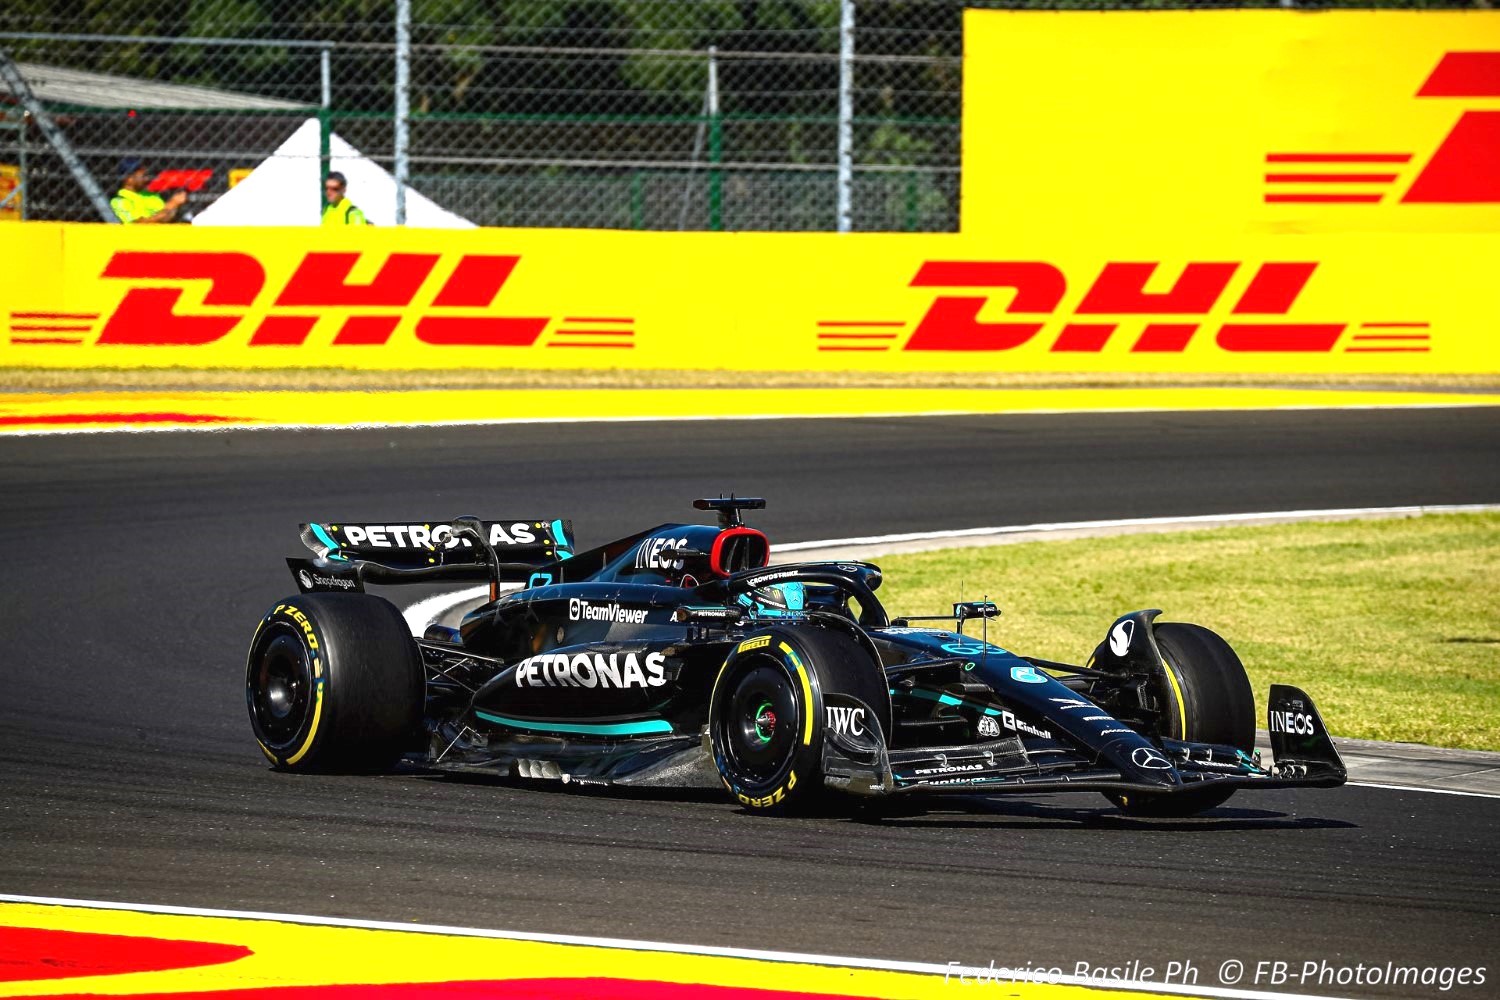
x=679 y=655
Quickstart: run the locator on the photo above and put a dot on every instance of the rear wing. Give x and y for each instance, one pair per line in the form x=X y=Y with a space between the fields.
x=348 y=555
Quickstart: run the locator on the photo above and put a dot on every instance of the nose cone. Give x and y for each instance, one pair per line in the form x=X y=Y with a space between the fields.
x=1139 y=761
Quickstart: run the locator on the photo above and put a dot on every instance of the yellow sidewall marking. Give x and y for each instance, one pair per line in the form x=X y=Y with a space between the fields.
x=312 y=731
x=1181 y=705
x=807 y=697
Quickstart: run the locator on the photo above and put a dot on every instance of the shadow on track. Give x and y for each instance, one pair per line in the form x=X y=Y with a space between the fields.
x=1033 y=815
x=964 y=812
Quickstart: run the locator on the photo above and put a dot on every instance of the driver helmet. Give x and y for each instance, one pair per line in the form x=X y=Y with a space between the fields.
x=782 y=600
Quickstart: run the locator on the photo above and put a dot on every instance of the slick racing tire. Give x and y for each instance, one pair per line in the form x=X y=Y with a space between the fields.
x=334 y=682
x=1209 y=700
x=766 y=713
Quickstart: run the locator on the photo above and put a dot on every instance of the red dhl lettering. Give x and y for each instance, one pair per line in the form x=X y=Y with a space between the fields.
x=151 y=312
x=149 y=316
x=952 y=323
x=1464 y=169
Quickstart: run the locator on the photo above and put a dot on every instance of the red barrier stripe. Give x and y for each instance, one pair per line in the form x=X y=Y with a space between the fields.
x=1400 y=326
x=823 y=347
x=499 y=989
x=1387 y=350
x=1323 y=198
x=32 y=315
x=857 y=336
x=595 y=319
x=840 y=322
x=64 y=419
x=30 y=953
x=1338 y=157
x=1330 y=178
x=46 y=340
x=590 y=343
x=594 y=333
x=46 y=328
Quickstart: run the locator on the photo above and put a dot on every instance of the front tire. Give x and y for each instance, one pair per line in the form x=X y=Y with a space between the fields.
x=766 y=713
x=334 y=682
x=1209 y=700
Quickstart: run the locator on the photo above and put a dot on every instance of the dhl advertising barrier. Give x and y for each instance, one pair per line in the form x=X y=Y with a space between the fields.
x=1229 y=191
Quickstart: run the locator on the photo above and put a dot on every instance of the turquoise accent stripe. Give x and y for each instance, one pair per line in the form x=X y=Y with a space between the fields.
x=327 y=539
x=944 y=699
x=937 y=696
x=563 y=543
x=641 y=728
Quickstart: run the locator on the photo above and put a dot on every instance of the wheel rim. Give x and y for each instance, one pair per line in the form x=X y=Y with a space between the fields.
x=759 y=722
x=280 y=687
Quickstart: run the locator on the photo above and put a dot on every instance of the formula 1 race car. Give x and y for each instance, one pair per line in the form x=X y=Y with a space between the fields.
x=678 y=655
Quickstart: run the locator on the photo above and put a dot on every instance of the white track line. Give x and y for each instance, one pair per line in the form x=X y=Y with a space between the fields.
x=225 y=428
x=1429 y=791
x=797 y=958
x=1334 y=513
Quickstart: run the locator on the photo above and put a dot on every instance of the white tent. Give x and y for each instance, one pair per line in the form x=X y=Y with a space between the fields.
x=284 y=190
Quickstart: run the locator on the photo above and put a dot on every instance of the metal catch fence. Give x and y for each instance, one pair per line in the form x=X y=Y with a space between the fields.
x=631 y=114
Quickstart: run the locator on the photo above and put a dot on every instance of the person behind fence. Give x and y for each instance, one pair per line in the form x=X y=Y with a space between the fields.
x=135 y=204
x=340 y=210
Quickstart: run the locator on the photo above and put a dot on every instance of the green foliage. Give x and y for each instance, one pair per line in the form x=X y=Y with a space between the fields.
x=679 y=83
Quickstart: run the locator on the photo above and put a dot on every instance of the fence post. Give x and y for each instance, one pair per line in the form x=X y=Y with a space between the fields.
x=325 y=118
x=846 y=115
x=715 y=145
x=403 y=104
x=21 y=167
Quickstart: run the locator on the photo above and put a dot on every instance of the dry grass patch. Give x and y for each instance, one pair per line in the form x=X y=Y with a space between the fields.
x=175 y=379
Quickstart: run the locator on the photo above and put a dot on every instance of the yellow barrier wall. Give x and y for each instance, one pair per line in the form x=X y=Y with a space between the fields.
x=1232 y=191
x=1254 y=121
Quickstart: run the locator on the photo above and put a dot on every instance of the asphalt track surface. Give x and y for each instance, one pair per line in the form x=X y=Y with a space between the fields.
x=136 y=567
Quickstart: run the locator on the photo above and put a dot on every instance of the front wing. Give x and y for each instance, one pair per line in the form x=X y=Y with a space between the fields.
x=1302 y=756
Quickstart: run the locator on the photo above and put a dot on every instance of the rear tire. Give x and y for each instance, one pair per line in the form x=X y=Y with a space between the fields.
x=334 y=682
x=1209 y=700
x=766 y=713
